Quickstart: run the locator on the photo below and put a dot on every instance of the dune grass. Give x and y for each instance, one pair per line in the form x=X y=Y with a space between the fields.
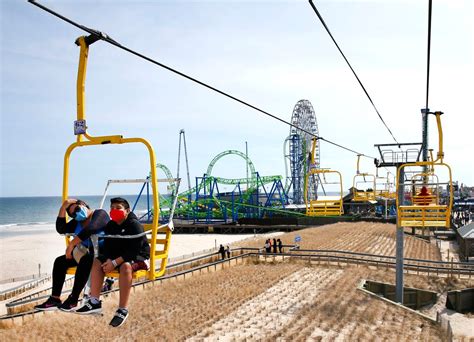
x=364 y=237
x=290 y=300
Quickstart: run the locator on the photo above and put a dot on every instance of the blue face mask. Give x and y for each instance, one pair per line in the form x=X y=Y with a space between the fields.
x=81 y=215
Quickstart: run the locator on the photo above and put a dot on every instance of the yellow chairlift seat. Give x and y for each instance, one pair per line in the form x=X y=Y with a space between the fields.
x=384 y=188
x=324 y=205
x=426 y=211
x=363 y=195
x=424 y=216
x=158 y=237
x=386 y=194
x=363 y=180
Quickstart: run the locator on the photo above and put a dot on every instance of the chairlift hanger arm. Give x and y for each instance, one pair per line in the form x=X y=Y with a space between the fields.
x=440 y=135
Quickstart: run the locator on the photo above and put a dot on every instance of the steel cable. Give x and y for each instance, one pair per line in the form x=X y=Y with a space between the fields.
x=428 y=55
x=108 y=39
x=350 y=66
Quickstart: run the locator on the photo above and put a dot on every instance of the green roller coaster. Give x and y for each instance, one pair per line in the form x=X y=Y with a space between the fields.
x=255 y=196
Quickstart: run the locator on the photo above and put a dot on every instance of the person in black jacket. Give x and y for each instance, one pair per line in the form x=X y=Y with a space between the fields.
x=222 y=252
x=79 y=252
x=125 y=254
x=280 y=245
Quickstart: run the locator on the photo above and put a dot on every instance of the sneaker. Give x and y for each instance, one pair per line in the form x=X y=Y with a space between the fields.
x=119 y=318
x=51 y=304
x=68 y=305
x=90 y=308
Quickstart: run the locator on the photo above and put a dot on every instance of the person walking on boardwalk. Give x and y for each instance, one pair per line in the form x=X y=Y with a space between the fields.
x=127 y=255
x=222 y=252
x=79 y=252
x=274 y=245
x=227 y=250
x=280 y=246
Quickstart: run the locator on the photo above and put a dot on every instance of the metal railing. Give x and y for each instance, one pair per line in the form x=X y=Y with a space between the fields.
x=16 y=290
x=327 y=257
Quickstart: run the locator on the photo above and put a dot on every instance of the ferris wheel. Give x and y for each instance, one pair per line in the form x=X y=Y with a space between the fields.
x=297 y=151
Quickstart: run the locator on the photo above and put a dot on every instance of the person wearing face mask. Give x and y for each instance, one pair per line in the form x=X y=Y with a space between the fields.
x=79 y=252
x=124 y=254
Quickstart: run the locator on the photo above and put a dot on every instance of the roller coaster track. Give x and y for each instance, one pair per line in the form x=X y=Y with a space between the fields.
x=229 y=181
x=209 y=179
x=236 y=153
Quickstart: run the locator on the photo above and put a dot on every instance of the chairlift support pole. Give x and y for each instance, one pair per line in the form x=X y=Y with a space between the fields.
x=392 y=159
x=424 y=137
x=399 y=244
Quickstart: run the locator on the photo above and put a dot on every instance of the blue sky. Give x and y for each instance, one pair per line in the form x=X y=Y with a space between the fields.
x=269 y=53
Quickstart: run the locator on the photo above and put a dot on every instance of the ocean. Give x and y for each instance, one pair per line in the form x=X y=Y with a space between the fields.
x=20 y=211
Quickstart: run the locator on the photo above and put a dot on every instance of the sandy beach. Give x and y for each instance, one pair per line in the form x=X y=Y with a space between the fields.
x=23 y=248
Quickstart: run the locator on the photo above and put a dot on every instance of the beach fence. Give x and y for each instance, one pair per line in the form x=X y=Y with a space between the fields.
x=192 y=255
x=22 y=278
x=212 y=262
x=31 y=283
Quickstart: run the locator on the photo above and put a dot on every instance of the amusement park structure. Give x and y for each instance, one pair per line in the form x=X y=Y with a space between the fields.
x=297 y=151
x=253 y=196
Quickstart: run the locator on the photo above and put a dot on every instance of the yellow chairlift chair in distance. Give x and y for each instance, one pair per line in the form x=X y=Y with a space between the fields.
x=158 y=237
x=325 y=205
x=318 y=202
x=426 y=210
x=384 y=187
x=363 y=180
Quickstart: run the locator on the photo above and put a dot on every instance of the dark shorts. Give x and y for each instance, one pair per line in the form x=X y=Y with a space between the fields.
x=139 y=265
x=136 y=265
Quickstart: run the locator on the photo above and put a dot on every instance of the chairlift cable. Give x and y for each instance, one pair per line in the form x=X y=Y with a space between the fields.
x=345 y=148
x=350 y=66
x=108 y=39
